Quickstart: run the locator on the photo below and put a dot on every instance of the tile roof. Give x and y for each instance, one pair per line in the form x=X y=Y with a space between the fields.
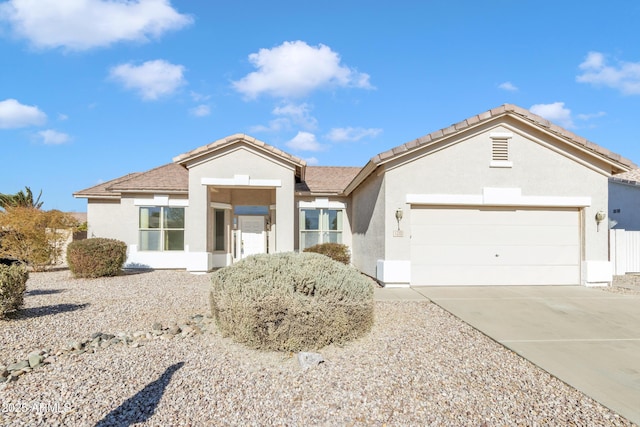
x=506 y=109
x=630 y=177
x=238 y=137
x=327 y=179
x=103 y=189
x=171 y=178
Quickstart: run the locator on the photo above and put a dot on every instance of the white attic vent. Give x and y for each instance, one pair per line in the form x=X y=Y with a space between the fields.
x=500 y=150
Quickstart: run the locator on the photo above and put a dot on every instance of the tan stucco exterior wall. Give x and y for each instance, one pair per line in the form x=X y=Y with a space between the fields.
x=462 y=167
x=368 y=224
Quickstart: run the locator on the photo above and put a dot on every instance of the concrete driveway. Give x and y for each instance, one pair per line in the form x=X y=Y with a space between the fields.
x=588 y=338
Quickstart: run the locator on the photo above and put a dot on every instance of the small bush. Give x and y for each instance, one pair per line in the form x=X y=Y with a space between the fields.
x=291 y=301
x=335 y=251
x=13 y=283
x=96 y=257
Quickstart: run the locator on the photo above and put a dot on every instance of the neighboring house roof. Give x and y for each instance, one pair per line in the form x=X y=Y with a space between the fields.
x=630 y=177
x=232 y=139
x=326 y=179
x=81 y=217
x=169 y=178
x=618 y=162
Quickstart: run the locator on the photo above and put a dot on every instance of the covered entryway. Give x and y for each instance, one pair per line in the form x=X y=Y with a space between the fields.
x=495 y=246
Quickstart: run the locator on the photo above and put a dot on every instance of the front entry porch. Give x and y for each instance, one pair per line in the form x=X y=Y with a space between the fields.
x=242 y=223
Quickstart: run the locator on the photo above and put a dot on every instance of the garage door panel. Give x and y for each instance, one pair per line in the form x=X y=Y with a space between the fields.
x=496 y=216
x=500 y=235
x=459 y=246
x=506 y=275
x=486 y=255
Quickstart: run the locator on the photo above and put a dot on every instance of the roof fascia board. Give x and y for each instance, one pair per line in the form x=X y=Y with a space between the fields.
x=367 y=170
x=259 y=151
x=564 y=139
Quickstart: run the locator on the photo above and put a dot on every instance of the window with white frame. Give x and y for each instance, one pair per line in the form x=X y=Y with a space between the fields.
x=161 y=228
x=320 y=226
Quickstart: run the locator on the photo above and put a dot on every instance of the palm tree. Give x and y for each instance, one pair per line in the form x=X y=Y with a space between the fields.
x=22 y=199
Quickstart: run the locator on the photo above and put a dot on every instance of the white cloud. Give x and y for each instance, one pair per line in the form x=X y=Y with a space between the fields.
x=299 y=114
x=152 y=79
x=200 y=111
x=295 y=69
x=16 y=115
x=311 y=161
x=85 y=24
x=275 y=125
x=555 y=112
x=624 y=76
x=508 y=86
x=304 y=141
x=352 y=134
x=289 y=114
x=62 y=117
x=52 y=137
x=199 y=97
x=590 y=116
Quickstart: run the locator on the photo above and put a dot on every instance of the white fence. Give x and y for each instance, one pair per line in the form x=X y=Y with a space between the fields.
x=624 y=251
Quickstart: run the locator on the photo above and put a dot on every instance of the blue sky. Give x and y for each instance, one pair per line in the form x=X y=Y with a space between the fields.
x=91 y=90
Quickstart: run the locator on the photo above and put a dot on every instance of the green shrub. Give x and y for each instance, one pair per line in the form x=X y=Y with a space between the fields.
x=13 y=283
x=335 y=251
x=291 y=301
x=96 y=257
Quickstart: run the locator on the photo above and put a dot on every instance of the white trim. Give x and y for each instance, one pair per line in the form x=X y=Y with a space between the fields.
x=241 y=181
x=501 y=135
x=498 y=197
x=393 y=272
x=322 y=203
x=219 y=205
x=500 y=164
x=161 y=200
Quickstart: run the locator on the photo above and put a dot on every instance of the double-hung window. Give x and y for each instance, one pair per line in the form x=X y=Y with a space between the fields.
x=161 y=228
x=320 y=226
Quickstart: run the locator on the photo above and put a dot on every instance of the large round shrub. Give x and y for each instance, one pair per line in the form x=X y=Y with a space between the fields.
x=96 y=257
x=13 y=284
x=291 y=301
x=335 y=251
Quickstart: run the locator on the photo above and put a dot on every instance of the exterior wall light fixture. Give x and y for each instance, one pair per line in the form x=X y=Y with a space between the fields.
x=600 y=216
x=399 y=216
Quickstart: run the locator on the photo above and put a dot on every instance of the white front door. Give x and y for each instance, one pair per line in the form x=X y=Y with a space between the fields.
x=252 y=235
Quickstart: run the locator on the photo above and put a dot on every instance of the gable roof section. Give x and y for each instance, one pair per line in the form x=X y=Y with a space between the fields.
x=617 y=162
x=185 y=158
x=326 y=179
x=170 y=178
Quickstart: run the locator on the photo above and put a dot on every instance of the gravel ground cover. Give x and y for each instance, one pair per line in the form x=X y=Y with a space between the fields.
x=418 y=366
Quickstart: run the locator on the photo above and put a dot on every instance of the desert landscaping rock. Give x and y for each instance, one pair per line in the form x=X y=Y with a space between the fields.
x=418 y=366
x=308 y=359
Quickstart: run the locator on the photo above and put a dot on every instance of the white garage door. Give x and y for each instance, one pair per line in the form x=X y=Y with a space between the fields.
x=494 y=246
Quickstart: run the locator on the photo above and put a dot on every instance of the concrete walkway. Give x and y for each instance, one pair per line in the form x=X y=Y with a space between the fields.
x=588 y=338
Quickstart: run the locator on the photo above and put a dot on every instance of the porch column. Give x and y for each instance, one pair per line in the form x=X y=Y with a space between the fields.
x=285 y=209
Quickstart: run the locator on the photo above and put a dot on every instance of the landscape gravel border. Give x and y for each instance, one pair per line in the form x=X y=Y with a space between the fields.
x=418 y=366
